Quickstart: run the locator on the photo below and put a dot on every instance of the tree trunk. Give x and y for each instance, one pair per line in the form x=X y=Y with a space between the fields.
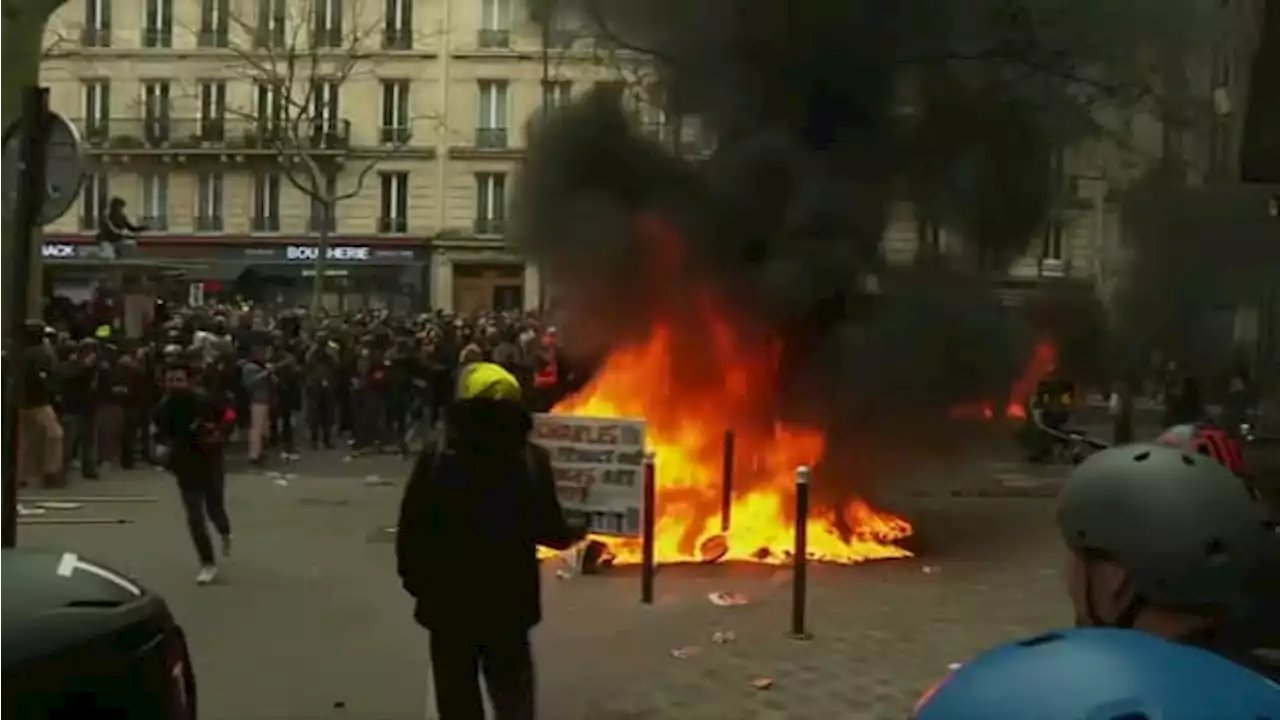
x=23 y=42
x=322 y=261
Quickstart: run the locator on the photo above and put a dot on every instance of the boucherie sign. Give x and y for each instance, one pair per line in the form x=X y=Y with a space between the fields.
x=349 y=253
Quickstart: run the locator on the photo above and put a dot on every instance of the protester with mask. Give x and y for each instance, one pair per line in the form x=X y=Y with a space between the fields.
x=482 y=495
x=193 y=427
x=1170 y=543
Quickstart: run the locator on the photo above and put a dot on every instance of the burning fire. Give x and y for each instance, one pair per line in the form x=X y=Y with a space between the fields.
x=1044 y=359
x=685 y=428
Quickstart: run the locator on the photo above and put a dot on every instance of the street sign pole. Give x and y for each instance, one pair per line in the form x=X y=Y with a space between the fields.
x=28 y=205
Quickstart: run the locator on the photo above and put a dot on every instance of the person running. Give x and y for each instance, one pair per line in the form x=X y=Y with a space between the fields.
x=193 y=427
x=483 y=494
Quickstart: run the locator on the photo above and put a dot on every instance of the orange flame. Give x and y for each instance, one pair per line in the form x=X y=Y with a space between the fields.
x=1044 y=360
x=685 y=427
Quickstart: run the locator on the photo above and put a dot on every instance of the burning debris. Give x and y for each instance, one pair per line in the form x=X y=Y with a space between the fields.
x=746 y=291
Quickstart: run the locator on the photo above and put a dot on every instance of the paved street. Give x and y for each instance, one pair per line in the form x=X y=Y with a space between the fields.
x=310 y=621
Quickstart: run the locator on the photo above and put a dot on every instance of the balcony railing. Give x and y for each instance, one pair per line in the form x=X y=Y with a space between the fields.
x=157 y=37
x=491 y=138
x=193 y=133
x=88 y=222
x=322 y=37
x=395 y=135
x=214 y=38
x=397 y=38
x=269 y=37
x=95 y=37
x=492 y=38
x=393 y=225
x=265 y=224
x=208 y=223
x=491 y=226
x=320 y=222
x=155 y=221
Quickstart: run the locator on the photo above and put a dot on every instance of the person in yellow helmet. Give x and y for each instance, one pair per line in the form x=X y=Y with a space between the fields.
x=478 y=503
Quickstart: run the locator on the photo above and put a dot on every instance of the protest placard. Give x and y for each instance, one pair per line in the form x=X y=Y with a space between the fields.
x=599 y=468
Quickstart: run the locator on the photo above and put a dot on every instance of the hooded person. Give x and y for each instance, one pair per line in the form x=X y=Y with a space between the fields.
x=478 y=503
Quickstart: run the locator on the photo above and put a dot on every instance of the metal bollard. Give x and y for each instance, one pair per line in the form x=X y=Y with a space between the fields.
x=726 y=483
x=800 y=557
x=648 y=561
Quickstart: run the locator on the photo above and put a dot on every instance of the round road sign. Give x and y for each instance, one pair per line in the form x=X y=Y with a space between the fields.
x=65 y=167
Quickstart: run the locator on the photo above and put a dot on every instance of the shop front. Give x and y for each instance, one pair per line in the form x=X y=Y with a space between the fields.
x=470 y=279
x=356 y=277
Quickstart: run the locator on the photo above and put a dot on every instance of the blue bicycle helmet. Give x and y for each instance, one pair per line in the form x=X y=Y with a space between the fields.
x=1100 y=674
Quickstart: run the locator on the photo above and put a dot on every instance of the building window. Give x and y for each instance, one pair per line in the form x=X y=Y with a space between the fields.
x=209 y=203
x=322 y=217
x=94 y=195
x=155 y=111
x=214 y=23
x=397 y=31
x=272 y=21
x=491 y=120
x=155 y=200
x=495 y=24
x=324 y=107
x=326 y=28
x=97 y=24
x=395 y=203
x=396 y=127
x=491 y=203
x=269 y=110
x=558 y=93
x=213 y=110
x=266 y=202
x=97 y=111
x=158 y=30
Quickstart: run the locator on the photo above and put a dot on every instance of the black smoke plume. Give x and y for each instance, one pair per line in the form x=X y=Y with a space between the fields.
x=825 y=114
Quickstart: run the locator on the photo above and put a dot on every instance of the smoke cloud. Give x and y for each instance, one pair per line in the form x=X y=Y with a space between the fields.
x=782 y=225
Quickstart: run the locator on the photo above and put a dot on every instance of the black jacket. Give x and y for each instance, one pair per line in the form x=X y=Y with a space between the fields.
x=194 y=427
x=472 y=515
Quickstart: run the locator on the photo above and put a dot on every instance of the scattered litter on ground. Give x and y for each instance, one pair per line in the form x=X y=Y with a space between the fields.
x=281 y=482
x=762 y=683
x=348 y=458
x=564 y=575
x=683 y=653
x=377 y=481
x=59 y=505
x=290 y=476
x=930 y=569
x=727 y=599
x=722 y=637
x=24 y=511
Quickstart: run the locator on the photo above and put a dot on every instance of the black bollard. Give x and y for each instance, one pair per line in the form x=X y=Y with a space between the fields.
x=646 y=538
x=726 y=483
x=800 y=557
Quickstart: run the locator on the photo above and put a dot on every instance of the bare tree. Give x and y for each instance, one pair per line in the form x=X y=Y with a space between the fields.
x=300 y=56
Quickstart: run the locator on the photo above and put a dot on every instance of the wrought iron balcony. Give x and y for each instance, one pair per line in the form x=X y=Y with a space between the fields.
x=208 y=223
x=491 y=226
x=491 y=138
x=157 y=37
x=193 y=133
x=214 y=38
x=395 y=135
x=265 y=224
x=95 y=37
x=492 y=38
x=397 y=38
x=393 y=225
x=155 y=221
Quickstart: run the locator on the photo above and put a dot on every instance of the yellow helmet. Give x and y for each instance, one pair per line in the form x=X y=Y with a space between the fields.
x=484 y=380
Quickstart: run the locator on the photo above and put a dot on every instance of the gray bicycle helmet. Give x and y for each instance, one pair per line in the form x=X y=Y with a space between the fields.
x=1189 y=530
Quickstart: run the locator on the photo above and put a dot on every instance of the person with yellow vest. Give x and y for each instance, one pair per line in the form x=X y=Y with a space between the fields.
x=478 y=503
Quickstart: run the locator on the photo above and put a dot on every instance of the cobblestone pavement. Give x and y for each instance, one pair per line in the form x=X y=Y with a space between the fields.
x=310 y=622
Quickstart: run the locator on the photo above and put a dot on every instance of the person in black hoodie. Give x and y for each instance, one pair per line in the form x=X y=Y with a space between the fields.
x=483 y=491
x=193 y=426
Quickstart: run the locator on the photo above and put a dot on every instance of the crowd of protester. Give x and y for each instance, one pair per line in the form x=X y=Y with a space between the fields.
x=369 y=381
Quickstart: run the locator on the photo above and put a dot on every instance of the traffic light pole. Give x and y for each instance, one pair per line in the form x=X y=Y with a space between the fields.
x=30 y=196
